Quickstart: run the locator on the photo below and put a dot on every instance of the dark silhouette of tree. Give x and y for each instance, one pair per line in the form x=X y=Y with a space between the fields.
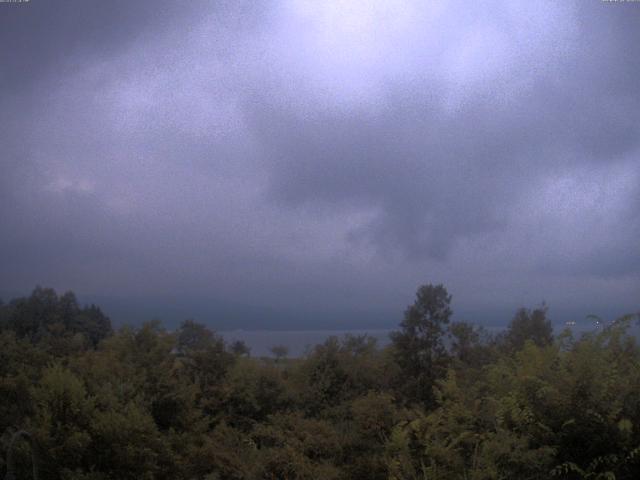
x=280 y=352
x=240 y=348
x=43 y=316
x=194 y=336
x=419 y=347
x=529 y=325
x=93 y=324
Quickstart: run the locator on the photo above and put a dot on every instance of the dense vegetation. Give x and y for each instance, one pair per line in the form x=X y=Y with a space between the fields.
x=444 y=401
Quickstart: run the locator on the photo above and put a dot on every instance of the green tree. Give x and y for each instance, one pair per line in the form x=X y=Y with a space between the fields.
x=529 y=325
x=59 y=322
x=252 y=392
x=240 y=348
x=280 y=352
x=419 y=347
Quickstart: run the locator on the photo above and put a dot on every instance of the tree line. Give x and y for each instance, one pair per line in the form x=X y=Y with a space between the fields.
x=444 y=400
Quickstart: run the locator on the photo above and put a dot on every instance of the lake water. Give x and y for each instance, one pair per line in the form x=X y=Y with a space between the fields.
x=298 y=341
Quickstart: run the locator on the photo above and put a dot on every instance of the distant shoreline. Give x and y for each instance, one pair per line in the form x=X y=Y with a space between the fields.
x=260 y=341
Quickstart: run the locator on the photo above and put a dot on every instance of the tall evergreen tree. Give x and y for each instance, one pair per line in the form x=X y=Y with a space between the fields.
x=419 y=347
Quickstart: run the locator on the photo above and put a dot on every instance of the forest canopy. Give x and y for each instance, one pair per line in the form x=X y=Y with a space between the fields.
x=444 y=400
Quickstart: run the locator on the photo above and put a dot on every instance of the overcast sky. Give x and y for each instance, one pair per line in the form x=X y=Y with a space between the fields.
x=305 y=164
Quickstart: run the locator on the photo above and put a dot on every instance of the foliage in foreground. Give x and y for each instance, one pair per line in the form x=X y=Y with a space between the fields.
x=443 y=401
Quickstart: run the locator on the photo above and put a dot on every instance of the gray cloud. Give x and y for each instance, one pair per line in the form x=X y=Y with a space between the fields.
x=317 y=157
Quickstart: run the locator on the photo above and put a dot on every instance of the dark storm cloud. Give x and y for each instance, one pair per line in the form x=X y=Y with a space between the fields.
x=436 y=175
x=307 y=154
x=48 y=37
